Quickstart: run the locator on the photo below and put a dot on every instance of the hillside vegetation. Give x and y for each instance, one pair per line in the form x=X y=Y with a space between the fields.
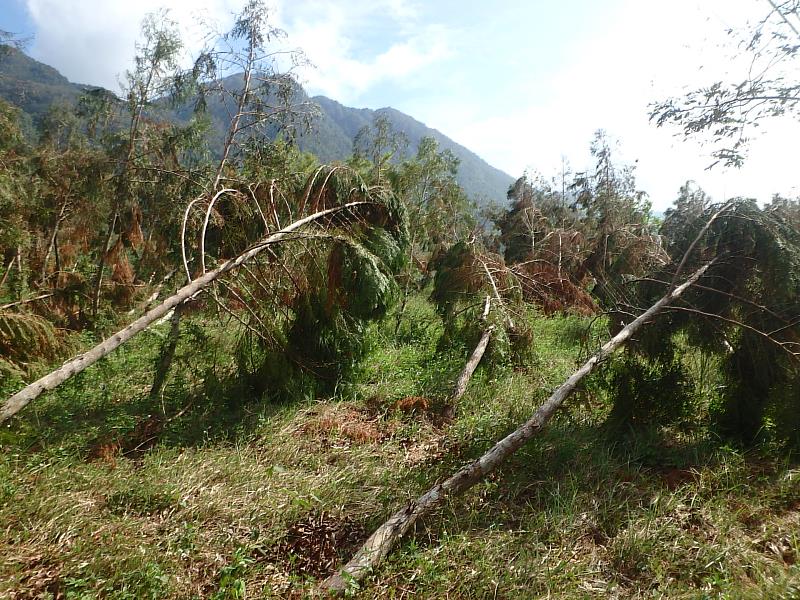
x=35 y=88
x=232 y=368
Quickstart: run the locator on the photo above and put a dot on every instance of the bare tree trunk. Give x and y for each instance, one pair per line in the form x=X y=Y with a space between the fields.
x=53 y=244
x=101 y=264
x=8 y=270
x=477 y=354
x=384 y=538
x=145 y=306
x=472 y=364
x=21 y=399
x=407 y=285
x=56 y=255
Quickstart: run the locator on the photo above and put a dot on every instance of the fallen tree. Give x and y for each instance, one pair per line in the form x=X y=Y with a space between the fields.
x=72 y=367
x=471 y=364
x=475 y=357
x=377 y=547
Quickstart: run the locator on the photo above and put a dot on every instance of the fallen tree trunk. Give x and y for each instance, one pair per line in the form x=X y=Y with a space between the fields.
x=472 y=364
x=21 y=399
x=466 y=374
x=384 y=538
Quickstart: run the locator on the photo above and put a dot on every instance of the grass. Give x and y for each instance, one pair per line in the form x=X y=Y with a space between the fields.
x=214 y=493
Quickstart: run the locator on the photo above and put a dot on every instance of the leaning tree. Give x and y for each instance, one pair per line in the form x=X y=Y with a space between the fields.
x=745 y=314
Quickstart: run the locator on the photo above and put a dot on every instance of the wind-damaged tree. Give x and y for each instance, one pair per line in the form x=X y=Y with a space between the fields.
x=438 y=207
x=152 y=78
x=380 y=543
x=545 y=246
x=306 y=306
x=342 y=213
x=746 y=314
x=260 y=100
x=587 y=236
x=468 y=283
x=615 y=221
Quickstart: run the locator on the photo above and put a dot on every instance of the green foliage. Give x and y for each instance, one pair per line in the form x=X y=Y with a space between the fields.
x=313 y=296
x=141 y=499
x=742 y=311
x=589 y=231
x=326 y=336
x=647 y=394
x=436 y=203
x=726 y=112
x=380 y=144
x=464 y=278
x=231 y=578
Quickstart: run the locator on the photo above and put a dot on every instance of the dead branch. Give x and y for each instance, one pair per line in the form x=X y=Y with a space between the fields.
x=27 y=301
x=475 y=358
x=145 y=306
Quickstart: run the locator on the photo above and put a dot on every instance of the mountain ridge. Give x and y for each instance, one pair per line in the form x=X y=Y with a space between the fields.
x=34 y=86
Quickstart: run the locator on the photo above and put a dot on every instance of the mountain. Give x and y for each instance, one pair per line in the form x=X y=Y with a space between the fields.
x=341 y=124
x=35 y=86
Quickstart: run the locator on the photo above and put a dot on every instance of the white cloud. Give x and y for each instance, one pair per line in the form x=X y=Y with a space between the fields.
x=329 y=33
x=93 y=41
x=648 y=52
x=652 y=52
x=338 y=74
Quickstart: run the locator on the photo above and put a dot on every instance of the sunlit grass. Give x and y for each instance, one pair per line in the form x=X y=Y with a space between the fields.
x=215 y=504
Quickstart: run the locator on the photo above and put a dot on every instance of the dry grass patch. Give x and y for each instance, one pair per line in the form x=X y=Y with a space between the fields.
x=344 y=423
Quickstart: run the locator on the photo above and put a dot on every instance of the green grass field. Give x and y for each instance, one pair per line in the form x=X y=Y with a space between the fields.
x=212 y=492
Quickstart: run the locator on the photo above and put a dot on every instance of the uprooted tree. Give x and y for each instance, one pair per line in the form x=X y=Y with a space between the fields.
x=746 y=316
x=730 y=250
x=583 y=235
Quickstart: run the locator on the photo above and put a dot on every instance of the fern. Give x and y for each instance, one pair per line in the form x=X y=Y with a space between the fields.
x=24 y=336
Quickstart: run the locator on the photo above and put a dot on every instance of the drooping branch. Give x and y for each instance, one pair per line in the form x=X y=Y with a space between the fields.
x=701 y=233
x=22 y=398
x=377 y=547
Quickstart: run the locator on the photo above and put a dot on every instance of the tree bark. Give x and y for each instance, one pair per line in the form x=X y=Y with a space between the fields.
x=21 y=399
x=466 y=374
x=8 y=270
x=101 y=265
x=145 y=306
x=376 y=548
x=53 y=245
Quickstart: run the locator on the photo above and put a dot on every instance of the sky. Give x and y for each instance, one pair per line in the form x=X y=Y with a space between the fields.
x=524 y=84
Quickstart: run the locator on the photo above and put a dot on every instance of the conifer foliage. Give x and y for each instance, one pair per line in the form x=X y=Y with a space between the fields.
x=743 y=311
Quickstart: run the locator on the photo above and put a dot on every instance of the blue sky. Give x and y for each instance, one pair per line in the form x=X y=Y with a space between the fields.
x=523 y=84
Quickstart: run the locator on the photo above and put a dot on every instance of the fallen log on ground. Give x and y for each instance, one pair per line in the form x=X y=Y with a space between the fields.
x=72 y=367
x=475 y=358
x=376 y=548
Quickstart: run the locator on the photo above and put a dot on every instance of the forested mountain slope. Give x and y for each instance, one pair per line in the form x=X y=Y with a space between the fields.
x=35 y=87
